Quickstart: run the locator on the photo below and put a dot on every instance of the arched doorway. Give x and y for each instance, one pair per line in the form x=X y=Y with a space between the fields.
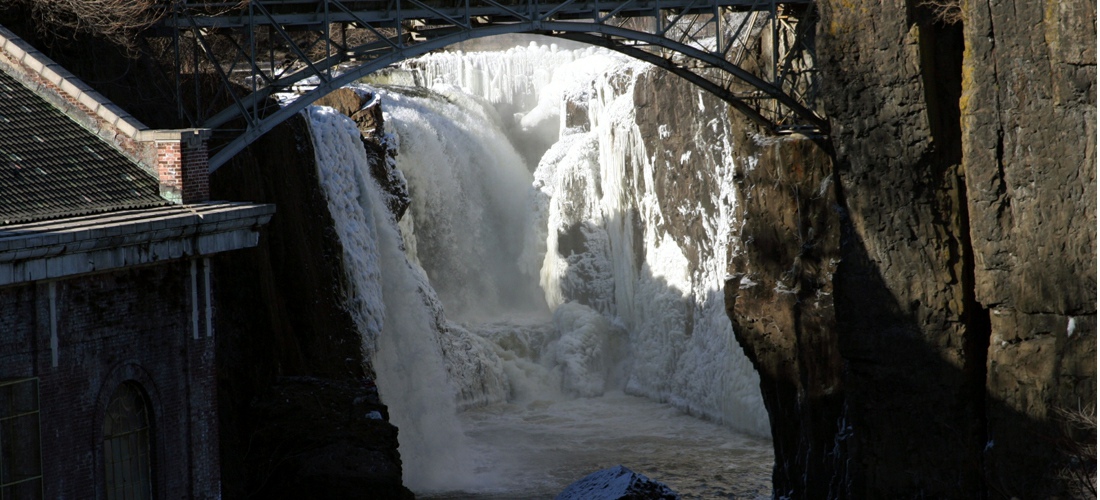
x=127 y=444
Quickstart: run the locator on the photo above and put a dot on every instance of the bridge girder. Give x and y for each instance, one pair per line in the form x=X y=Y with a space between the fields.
x=703 y=41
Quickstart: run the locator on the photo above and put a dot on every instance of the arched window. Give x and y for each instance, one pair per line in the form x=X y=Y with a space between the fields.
x=126 y=446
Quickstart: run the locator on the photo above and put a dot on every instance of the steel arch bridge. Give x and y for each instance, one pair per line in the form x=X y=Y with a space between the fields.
x=262 y=47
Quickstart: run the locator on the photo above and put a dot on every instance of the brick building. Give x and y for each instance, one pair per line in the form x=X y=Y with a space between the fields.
x=107 y=386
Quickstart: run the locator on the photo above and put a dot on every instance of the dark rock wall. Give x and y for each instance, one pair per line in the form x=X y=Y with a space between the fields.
x=964 y=159
x=1029 y=152
x=913 y=363
x=294 y=386
x=780 y=295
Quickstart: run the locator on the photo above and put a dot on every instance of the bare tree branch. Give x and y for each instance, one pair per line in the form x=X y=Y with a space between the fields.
x=1078 y=446
x=118 y=21
x=945 y=11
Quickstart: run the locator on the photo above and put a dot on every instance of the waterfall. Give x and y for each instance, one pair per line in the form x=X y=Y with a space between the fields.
x=602 y=238
x=536 y=262
x=470 y=213
x=395 y=308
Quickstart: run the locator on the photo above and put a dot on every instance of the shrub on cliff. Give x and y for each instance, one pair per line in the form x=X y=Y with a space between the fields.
x=1078 y=447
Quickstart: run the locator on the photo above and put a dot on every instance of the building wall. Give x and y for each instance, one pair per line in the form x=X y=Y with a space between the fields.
x=147 y=325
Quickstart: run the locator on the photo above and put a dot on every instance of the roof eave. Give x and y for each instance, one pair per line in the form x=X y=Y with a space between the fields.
x=63 y=248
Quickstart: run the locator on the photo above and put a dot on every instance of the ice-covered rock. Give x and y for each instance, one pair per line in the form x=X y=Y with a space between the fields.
x=617 y=483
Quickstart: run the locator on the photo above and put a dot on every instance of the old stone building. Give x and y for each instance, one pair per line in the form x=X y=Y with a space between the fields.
x=107 y=384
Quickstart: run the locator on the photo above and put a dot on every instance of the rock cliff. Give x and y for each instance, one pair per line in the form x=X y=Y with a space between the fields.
x=962 y=324
x=1029 y=154
x=780 y=297
x=297 y=394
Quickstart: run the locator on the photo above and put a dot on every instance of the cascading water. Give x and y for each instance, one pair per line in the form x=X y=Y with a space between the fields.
x=394 y=306
x=556 y=285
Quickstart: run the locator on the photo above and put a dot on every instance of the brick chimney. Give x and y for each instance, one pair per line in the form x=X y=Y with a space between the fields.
x=183 y=164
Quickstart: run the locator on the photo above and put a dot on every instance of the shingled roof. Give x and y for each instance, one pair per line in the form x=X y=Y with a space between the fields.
x=51 y=167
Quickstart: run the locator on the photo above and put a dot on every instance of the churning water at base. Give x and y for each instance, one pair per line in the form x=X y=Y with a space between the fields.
x=536 y=449
x=512 y=307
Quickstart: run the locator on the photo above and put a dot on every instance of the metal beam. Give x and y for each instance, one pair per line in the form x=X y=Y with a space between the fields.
x=390 y=17
x=684 y=30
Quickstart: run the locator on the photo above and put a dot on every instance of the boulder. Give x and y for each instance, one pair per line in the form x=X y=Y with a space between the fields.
x=617 y=483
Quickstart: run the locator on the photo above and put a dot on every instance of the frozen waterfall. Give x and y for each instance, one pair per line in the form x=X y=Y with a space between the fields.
x=514 y=282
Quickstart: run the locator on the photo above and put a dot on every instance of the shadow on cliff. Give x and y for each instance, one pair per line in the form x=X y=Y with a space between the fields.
x=870 y=395
x=881 y=391
x=293 y=384
x=919 y=409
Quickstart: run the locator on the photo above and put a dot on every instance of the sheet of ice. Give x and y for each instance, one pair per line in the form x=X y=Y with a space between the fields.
x=341 y=169
x=597 y=184
x=588 y=351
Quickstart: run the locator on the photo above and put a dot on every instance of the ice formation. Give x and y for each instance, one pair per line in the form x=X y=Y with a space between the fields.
x=554 y=281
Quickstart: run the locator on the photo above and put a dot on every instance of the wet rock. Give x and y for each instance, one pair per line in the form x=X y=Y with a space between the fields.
x=617 y=483
x=366 y=110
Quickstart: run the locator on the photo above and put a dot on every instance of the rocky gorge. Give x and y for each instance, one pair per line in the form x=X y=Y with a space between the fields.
x=916 y=291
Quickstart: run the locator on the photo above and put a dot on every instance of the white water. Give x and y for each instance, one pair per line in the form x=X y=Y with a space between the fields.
x=397 y=311
x=486 y=232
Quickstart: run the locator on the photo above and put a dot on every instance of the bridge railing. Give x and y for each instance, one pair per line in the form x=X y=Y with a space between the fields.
x=312 y=11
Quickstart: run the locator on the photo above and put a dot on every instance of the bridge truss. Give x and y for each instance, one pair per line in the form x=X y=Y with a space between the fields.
x=754 y=54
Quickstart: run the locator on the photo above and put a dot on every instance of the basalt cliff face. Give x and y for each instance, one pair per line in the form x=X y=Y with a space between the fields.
x=780 y=297
x=938 y=326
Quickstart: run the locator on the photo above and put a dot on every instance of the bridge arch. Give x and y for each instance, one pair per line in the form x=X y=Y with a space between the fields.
x=686 y=56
